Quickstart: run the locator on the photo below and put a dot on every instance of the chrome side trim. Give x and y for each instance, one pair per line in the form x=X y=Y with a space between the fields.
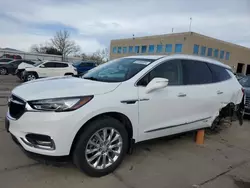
x=39 y=146
x=172 y=126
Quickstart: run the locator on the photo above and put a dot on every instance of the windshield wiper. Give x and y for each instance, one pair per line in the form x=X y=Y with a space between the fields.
x=91 y=78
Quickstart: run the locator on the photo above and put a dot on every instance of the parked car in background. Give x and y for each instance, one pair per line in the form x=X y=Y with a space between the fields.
x=11 y=56
x=239 y=75
x=245 y=82
x=8 y=66
x=97 y=119
x=84 y=66
x=21 y=67
x=48 y=69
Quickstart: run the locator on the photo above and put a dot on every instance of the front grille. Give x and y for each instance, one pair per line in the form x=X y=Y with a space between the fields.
x=16 y=107
x=247 y=100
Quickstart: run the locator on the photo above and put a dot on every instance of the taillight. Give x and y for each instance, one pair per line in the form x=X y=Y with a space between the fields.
x=243 y=92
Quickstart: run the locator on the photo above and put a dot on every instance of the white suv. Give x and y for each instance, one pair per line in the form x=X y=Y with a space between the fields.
x=97 y=119
x=48 y=69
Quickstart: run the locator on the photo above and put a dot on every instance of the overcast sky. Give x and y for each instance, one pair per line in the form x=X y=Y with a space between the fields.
x=94 y=23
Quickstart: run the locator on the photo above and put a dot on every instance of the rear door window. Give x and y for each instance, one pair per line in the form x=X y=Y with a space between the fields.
x=49 y=65
x=219 y=73
x=196 y=72
x=61 y=65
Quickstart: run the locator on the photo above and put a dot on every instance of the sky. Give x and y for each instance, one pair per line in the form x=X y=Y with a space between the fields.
x=93 y=23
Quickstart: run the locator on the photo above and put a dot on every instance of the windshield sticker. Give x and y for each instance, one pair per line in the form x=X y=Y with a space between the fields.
x=142 y=62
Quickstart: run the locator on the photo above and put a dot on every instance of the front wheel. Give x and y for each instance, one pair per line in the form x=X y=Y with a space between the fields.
x=101 y=147
x=3 y=71
x=30 y=76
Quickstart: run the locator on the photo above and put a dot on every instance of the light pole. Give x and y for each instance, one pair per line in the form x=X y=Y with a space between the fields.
x=190 y=24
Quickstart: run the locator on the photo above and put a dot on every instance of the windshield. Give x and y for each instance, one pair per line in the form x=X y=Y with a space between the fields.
x=245 y=81
x=37 y=64
x=118 y=70
x=76 y=63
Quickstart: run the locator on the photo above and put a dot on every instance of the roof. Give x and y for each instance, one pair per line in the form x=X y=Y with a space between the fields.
x=182 y=56
x=146 y=56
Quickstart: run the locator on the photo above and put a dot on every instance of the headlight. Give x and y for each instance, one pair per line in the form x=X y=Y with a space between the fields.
x=60 y=104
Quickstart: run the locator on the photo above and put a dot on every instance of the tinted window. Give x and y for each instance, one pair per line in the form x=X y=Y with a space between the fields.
x=87 y=64
x=114 y=50
x=119 y=50
x=168 y=48
x=209 y=51
x=216 y=52
x=196 y=49
x=151 y=48
x=169 y=70
x=195 y=72
x=137 y=49
x=227 y=55
x=49 y=65
x=124 y=50
x=221 y=54
x=203 y=50
x=143 y=49
x=159 y=48
x=178 y=48
x=130 y=49
x=61 y=65
x=219 y=73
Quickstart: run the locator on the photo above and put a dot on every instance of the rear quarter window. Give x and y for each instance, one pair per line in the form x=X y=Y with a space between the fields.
x=219 y=73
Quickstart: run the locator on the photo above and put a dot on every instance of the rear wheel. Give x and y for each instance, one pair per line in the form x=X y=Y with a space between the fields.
x=30 y=76
x=101 y=147
x=3 y=71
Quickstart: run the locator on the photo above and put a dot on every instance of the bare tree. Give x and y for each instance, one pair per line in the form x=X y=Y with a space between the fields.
x=45 y=49
x=102 y=54
x=37 y=48
x=63 y=44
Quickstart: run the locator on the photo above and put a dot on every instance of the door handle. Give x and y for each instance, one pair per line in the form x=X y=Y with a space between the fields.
x=219 y=92
x=182 y=95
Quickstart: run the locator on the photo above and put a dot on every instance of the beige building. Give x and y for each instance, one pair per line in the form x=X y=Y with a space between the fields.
x=237 y=57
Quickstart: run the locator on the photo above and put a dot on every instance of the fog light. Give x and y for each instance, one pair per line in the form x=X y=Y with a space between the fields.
x=39 y=141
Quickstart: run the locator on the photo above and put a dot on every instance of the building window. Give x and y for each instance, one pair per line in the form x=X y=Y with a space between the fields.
x=143 y=49
x=222 y=54
x=130 y=49
x=137 y=49
x=203 y=50
x=196 y=49
x=119 y=51
x=114 y=50
x=124 y=50
x=151 y=48
x=209 y=51
x=178 y=48
x=227 y=55
x=159 y=48
x=216 y=53
x=168 y=48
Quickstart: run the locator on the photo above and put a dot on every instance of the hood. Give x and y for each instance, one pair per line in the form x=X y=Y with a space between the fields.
x=24 y=65
x=66 y=86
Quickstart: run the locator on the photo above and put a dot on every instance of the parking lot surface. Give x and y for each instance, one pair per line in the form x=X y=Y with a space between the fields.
x=223 y=161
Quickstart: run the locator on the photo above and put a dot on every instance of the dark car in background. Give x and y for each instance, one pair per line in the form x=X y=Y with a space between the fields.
x=10 y=67
x=245 y=82
x=11 y=56
x=84 y=66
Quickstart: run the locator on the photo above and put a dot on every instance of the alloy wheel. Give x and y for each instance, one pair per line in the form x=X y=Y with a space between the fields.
x=3 y=71
x=103 y=148
x=31 y=77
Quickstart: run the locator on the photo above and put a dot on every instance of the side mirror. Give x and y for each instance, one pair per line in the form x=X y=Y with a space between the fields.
x=156 y=83
x=41 y=66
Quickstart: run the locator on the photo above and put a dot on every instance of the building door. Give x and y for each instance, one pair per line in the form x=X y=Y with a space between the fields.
x=240 y=68
x=248 y=70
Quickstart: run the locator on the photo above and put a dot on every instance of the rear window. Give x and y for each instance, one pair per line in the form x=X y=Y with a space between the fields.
x=219 y=73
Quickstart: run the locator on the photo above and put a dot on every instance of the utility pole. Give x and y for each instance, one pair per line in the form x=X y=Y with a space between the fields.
x=190 y=24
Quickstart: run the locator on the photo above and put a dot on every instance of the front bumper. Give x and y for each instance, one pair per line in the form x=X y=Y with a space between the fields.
x=57 y=126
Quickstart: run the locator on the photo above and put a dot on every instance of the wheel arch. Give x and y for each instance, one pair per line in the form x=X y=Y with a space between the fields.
x=33 y=72
x=116 y=115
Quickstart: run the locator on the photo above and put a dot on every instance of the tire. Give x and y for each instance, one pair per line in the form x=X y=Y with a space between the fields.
x=30 y=76
x=80 y=158
x=68 y=74
x=3 y=71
